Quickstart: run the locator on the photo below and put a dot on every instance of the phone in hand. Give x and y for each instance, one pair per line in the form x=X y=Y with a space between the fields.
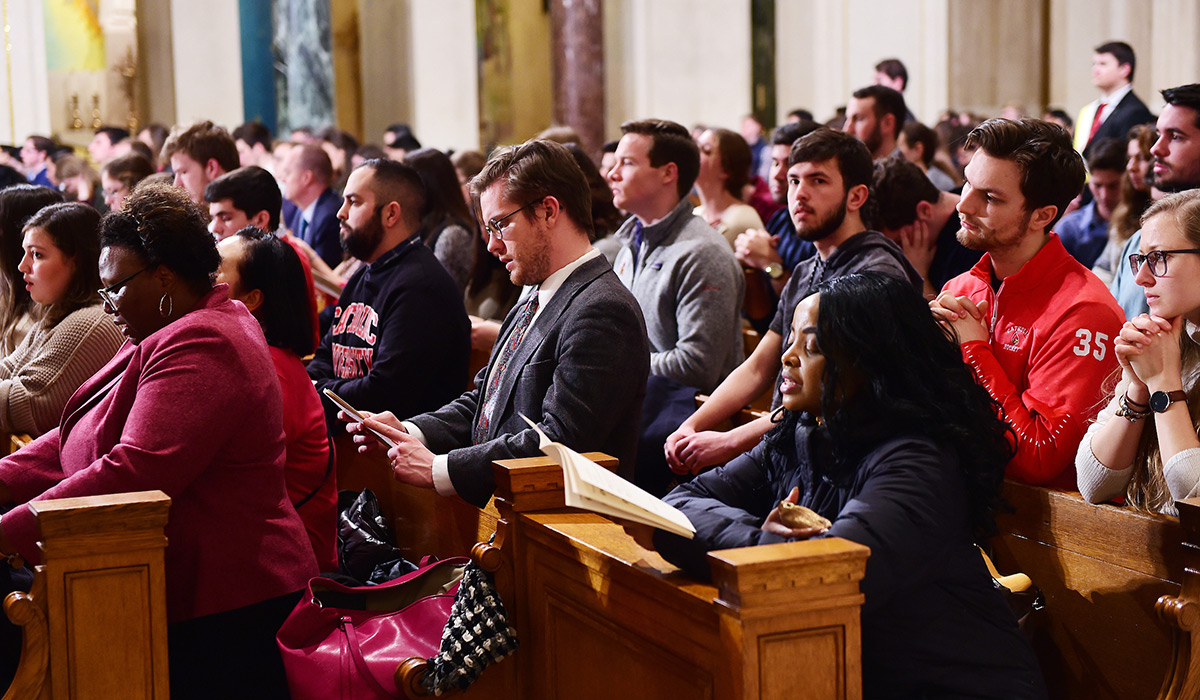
x=357 y=417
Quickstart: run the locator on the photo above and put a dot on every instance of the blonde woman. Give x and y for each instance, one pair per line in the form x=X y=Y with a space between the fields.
x=1144 y=444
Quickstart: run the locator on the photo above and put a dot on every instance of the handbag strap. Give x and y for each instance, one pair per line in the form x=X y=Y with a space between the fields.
x=359 y=661
x=328 y=470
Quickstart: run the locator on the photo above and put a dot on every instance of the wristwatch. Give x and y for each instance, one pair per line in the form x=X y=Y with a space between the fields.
x=775 y=270
x=1162 y=400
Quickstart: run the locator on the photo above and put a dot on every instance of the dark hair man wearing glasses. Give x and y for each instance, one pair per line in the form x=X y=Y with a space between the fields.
x=571 y=355
x=1176 y=168
x=684 y=275
x=400 y=338
x=1035 y=325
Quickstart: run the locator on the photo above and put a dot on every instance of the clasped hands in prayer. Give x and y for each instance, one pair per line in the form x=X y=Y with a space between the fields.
x=411 y=461
x=1148 y=350
x=965 y=317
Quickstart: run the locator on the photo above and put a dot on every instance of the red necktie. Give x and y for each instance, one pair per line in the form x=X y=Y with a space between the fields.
x=1096 y=121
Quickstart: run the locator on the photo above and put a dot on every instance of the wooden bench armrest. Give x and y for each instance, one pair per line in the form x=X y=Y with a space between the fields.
x=770 y=575
x=94 y=623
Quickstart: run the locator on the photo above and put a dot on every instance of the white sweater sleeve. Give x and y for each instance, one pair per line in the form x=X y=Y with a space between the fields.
x=1097 y=482
x=1182 y=473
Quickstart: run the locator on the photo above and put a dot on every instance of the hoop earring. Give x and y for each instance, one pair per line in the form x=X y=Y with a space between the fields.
x=170 y=305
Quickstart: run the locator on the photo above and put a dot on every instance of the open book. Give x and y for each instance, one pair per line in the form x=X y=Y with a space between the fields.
x=590 y=486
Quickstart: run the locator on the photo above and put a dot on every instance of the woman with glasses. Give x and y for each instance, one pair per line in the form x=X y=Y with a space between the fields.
x=191 y=406
x=72 y=336
x=1144 y=444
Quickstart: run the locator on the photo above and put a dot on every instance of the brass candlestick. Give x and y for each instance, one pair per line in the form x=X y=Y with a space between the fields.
x=76 y=115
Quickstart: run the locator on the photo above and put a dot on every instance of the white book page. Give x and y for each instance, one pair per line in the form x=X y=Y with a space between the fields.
x=591 y=486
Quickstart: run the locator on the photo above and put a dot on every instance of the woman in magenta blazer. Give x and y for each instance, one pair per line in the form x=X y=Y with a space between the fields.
x=189 y=405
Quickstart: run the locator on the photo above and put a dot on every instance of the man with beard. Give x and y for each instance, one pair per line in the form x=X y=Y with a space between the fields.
x=1176 y=169
x=1036 y=326
x=829 y=179
x=400 y=338
x=875 y=116
x=684 y=276
x=571 y=356
x=775 y=250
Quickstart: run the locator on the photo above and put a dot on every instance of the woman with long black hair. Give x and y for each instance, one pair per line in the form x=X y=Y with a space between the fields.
x=885 y=433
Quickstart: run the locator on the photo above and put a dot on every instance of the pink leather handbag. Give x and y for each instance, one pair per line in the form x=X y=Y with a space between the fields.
x=344 y=642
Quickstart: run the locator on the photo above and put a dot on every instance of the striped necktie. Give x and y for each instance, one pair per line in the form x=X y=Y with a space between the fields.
x=506 y=353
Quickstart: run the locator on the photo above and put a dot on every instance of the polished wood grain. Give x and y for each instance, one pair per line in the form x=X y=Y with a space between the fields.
x=584 y=591
x=1101 y=569
x=96 y=615
x=1182 y=613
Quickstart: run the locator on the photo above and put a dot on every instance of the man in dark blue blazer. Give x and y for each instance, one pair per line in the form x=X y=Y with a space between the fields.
x=1117 y=110
x=306 y=174
x=572 y=355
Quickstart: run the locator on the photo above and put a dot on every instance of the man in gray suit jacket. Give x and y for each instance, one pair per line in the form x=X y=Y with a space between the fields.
x=572 y=355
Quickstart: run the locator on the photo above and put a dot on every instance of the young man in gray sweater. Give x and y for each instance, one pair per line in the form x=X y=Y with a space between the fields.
x=683 y=274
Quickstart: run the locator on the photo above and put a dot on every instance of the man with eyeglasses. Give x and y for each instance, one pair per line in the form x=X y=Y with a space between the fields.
x=399 y=338
x=1176 y=168
x=683 y=274
x=1036 y=326
x=571 y=355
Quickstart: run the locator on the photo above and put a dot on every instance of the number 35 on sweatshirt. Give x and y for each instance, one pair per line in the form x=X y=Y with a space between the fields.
x=1051 y=328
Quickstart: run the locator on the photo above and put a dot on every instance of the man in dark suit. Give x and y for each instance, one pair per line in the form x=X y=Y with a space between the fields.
x=572 y=355
x=1117 y=110
x=306 y=174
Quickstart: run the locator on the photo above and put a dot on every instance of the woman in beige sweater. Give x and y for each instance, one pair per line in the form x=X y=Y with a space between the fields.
x=72 y=337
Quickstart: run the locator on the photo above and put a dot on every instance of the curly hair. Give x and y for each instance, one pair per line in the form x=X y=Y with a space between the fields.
x=162 y=225
x=891 y=370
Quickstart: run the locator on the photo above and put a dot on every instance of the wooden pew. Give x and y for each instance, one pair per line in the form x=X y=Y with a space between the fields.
x=95 y=621
x=1182 y=613
x=1101 y=568
x=600 y=617
x=11 y=442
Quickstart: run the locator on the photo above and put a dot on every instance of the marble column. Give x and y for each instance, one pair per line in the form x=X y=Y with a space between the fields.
x=578 y=50
x=305 y=85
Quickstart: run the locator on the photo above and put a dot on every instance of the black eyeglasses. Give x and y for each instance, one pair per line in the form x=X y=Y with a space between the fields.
x=1157 y=259
x=107 y=293
x=493 y=225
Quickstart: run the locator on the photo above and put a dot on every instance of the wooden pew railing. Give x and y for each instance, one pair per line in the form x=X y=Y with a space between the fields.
x=598 y=616
x=95 y=622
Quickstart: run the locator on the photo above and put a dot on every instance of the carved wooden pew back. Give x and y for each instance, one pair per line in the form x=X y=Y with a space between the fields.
x=601 y=617
x=96 y=616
